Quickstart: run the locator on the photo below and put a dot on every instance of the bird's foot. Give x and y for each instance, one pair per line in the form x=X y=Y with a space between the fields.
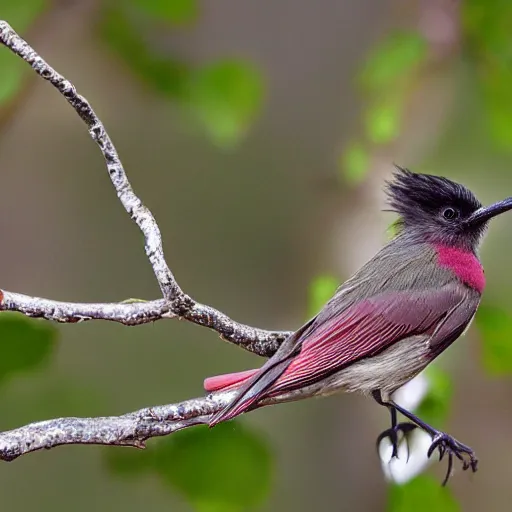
x=395 y=434
x=448 y=445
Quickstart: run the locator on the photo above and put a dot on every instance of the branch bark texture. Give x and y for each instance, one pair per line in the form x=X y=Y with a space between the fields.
x=134 y=428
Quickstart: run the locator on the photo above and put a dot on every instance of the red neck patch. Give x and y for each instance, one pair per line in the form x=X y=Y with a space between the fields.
x=465 y=265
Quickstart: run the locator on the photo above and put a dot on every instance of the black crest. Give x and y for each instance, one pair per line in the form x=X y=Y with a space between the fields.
x=434 y=208
x=411 y=195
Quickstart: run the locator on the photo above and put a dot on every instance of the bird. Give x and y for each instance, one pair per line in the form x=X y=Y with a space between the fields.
x=391 y=319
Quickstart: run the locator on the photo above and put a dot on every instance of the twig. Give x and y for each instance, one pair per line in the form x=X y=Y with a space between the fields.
x=259 y=341
x=175 y=303
x=135 y=313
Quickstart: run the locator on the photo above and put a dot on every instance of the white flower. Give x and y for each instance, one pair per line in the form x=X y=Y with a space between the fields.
x=412 y=456
x=410 y=395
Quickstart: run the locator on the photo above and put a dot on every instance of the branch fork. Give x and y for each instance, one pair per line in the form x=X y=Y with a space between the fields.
x=131 y=429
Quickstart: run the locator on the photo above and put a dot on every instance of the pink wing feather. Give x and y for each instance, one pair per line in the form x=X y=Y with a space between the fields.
x=329 y=344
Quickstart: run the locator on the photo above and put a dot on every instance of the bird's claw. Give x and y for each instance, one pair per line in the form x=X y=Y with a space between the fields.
x=448 y=445
x=444 y=443
x=393 y=434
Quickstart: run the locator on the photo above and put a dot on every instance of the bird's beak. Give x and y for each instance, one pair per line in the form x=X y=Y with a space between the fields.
x=488 y=212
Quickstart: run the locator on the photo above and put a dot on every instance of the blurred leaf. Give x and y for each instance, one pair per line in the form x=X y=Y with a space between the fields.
x=321 y=289
x=225 y=97
x=423 y=494
x=497 y=84
x=393 y=230
x=383 y=121
x=486 y=26
x=495 y=326
x=12 y=73
x=355 y=162
x=227 y=468
x=25 y=343
x=166 y=75
x=435 y=407
x=20 y=16
x=175 y=11
x=392 y=60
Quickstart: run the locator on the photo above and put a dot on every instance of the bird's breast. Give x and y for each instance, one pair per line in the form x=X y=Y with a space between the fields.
x=464 y=264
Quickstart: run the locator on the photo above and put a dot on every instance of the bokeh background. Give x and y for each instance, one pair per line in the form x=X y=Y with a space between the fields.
x=260 y=135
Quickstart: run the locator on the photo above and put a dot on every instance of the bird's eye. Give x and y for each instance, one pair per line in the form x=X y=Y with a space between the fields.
x=450 y=213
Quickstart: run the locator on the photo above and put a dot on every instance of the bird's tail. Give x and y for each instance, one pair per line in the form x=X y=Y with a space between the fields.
x=224 y=383
x=253 y=386
x=228 y=380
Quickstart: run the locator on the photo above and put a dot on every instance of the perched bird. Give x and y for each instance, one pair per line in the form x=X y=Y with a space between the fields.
x=392 y=318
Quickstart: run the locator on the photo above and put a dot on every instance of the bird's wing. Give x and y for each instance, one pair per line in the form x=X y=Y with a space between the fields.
x=327 y=345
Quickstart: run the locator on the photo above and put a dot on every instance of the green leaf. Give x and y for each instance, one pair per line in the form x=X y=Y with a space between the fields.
x=355 y=162
x=166 y=75
x=321 y=289
x=487 y=35
x=392 y=60
x=497 y=84
x=423 y=494
x=225 y=97
x=383 y=121
x=12 y=74
x=486 y=27
x=174 y=11
x=25 y=344
x=20 y=16
x=495 y=326
x=435 y=407
x=227 y=468
x=393 y=230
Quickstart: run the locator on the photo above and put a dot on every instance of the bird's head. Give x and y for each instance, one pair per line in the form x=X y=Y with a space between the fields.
x=439 y=210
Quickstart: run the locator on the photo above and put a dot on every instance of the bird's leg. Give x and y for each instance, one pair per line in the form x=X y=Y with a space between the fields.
x=396 y=429
x=445 y=443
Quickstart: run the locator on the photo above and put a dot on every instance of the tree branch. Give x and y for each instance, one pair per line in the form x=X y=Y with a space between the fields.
x=134 y=428
x=258 y=341
x=131 y=429
x=175 y=303
x=134 y=313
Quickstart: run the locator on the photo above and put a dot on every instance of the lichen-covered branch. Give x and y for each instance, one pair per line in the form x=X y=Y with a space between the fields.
x=132 y=429
x=127 y=313
x=175 y=302
x=259 y=341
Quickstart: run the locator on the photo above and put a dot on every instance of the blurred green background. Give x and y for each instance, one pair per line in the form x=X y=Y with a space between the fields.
x=259 y=134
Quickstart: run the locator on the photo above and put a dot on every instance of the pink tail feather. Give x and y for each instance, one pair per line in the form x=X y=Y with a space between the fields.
x=230 y=412
x=229 y=380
